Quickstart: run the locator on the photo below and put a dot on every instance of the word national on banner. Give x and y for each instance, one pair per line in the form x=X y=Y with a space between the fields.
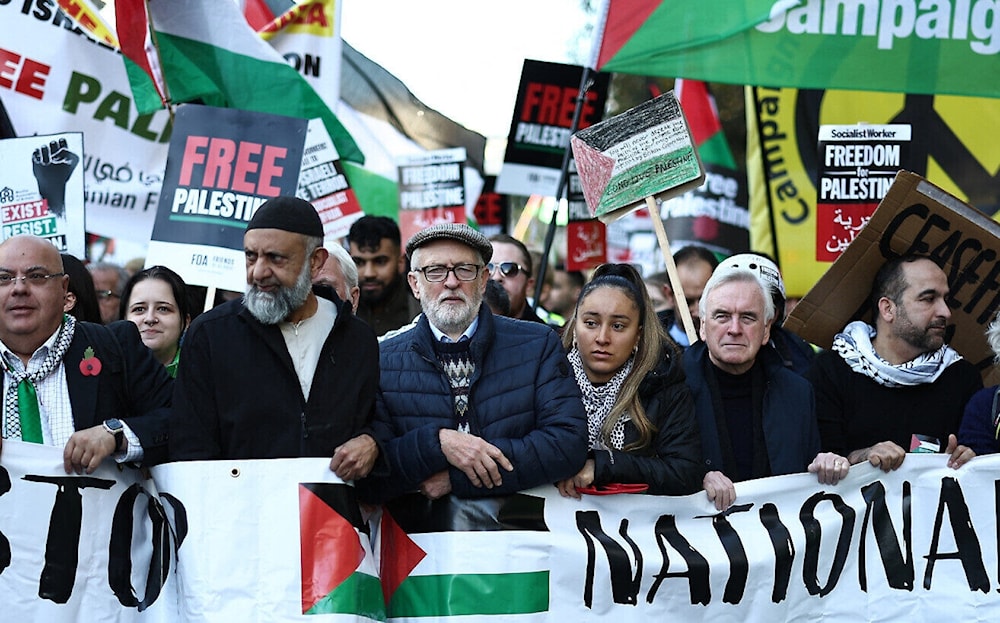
x=284 y=539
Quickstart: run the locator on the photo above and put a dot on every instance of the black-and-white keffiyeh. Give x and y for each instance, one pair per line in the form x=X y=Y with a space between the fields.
x=52 y=359
x=598 y=400
x=854 y=345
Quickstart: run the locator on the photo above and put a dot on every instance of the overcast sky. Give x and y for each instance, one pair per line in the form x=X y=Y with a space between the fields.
x=464 y=57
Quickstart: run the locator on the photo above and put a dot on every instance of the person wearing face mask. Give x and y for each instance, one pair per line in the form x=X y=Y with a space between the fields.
x=640 y=415
x=155 y=300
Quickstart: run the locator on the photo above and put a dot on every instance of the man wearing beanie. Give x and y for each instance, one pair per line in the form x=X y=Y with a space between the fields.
x=471 y=403
x=288 y=370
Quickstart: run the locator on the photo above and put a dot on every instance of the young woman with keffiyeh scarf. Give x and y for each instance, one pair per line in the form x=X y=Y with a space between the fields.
x=640 y=415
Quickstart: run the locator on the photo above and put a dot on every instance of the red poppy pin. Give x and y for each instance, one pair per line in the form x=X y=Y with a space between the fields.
x=91 y=365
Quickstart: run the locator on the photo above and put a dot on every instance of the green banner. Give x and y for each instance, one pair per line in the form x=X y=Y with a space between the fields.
x=911 y=46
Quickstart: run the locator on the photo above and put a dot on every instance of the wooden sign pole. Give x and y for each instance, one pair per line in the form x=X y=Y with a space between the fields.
x=210 y=298
x=680 y=301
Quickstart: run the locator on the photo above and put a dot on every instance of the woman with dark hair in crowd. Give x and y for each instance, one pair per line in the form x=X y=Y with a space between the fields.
x=640 y=414
x=81 y=299
x=155 y=299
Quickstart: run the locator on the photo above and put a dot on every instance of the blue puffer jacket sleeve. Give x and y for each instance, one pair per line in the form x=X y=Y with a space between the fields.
x=523 y=399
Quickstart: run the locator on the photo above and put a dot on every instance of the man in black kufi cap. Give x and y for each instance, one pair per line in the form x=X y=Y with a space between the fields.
x=288 y=370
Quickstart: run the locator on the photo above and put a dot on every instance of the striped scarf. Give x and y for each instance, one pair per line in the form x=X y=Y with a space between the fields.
x=598 y=400
x=854 y=346
x=52 y=359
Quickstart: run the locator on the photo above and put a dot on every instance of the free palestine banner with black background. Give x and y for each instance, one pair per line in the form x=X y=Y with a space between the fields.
x=223 y=164
x=542 y=124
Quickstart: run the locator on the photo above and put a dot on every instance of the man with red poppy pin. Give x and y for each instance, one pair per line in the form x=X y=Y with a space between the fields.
x=95 y=390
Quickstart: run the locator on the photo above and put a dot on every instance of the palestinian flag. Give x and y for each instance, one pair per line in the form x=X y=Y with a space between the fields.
x=386 y=120
x=209 y=54
x=440 y=559
x=333 y=554
x=703 y=119
x=141 y=58
x=715 y=215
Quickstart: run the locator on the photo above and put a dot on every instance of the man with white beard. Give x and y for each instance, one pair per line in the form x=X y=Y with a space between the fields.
x=471 y=403
x=286 y=371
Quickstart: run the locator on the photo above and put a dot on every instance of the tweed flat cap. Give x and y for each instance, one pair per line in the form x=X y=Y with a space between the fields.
x=451 y=231
x=288 y=214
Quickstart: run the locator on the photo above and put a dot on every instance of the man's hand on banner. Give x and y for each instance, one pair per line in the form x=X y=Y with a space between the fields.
x=884 y=455
x=437 y=486
x=959 y=455
x=86 y=449
x=829 y=467
x=476 y=457
x=53 y=164
x=720 y=490
x=354 y=458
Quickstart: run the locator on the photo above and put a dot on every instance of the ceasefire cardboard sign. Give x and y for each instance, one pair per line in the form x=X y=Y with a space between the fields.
x=915 y=217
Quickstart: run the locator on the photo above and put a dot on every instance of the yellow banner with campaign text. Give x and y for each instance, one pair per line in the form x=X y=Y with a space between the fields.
x=955 y=144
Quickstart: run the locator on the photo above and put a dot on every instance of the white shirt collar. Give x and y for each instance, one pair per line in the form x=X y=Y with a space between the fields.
x=468 y=333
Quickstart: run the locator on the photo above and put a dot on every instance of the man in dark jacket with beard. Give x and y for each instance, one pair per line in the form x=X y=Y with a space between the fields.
x=471 y=403
x=756 y=417
x=282 y=372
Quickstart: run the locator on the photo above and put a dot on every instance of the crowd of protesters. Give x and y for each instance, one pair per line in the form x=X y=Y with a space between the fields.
x=424 y=367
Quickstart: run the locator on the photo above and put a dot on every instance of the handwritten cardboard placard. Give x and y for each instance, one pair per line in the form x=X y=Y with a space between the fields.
x=647 y=151
x=915 y=217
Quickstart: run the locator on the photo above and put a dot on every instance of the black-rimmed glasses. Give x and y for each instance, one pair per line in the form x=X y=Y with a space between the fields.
x=507 y=269
x=438 y=273
x=32 y=279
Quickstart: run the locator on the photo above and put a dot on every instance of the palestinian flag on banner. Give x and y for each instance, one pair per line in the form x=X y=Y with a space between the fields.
x=209 y=54
x=337 y=567
x=442 y=558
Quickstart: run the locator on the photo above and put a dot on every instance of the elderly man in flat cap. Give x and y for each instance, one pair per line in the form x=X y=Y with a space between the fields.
x=471 y=403
x=288 y=371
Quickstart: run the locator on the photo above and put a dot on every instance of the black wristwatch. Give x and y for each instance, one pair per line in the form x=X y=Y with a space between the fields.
x=116 y=428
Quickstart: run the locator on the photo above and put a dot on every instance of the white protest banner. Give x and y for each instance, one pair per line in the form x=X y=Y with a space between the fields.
x=283 y=539
x=82 y=548
x=275 y=540
x=60 y=80
x=919 y=543
x=41 y=189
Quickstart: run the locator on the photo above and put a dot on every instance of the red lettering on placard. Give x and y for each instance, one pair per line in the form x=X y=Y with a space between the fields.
x=549 y=104
x=219 y=167
x=241 y=166
x=22 y=74
x=270 y=169
x=192 y=155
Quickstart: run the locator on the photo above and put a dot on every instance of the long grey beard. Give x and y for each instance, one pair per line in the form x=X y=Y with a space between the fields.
x=272 y=308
